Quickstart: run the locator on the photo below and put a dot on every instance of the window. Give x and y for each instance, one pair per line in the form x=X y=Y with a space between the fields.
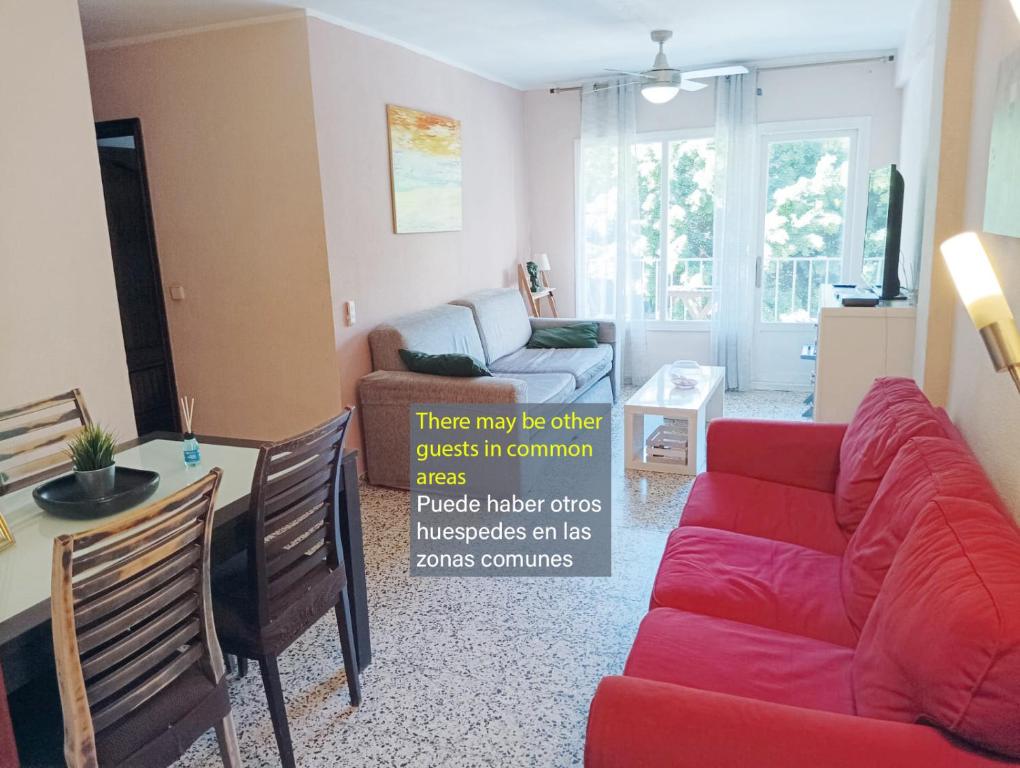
x=805 y=223
x=674 y=242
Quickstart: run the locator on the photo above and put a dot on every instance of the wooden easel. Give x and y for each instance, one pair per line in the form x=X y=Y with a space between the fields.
x=532 y=299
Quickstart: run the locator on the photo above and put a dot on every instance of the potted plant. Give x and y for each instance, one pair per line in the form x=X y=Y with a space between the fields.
x=91 y=453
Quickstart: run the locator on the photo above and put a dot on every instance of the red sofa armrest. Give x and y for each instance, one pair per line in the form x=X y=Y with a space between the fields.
x=799 y=453
x=635 y=723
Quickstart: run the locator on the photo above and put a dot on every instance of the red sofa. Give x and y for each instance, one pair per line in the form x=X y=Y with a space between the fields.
x=836 y=595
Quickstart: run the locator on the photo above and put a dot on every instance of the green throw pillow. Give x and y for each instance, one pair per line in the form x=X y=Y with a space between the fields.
x=573 y=336
x=450 y=364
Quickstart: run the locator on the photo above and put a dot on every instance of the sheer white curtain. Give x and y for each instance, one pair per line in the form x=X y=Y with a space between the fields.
x=609 y=282
x=734 y=237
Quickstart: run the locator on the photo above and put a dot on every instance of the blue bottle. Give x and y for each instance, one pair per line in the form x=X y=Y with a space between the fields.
x=192 y=454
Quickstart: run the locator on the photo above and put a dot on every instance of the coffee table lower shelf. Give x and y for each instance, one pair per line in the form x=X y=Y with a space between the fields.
x=657 y=412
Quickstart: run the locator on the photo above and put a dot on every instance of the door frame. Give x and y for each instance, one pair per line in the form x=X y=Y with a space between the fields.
x=132 y=126
x=859 y=129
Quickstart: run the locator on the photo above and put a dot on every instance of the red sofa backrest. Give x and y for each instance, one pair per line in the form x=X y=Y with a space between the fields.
x=925 y=469
x=893 y=411
x=942 y=643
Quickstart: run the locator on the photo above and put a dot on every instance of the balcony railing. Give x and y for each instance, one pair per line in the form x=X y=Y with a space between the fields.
x=791 y=287
x=689 y=295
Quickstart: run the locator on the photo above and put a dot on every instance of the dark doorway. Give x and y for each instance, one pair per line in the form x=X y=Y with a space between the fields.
x=136 y=269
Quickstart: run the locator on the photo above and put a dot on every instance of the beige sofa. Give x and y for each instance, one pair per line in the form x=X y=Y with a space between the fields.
x=494 y=327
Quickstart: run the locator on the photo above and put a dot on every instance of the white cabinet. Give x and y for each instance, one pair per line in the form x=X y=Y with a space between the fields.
x=856 y=345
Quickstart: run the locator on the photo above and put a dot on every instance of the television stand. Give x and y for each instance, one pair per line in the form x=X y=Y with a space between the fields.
x=855 y=346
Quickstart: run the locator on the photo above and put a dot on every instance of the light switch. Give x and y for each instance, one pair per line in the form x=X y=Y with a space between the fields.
x=177 y=292
x=350 y=313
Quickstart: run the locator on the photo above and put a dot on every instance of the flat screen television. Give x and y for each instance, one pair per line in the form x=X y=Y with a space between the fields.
x=882 y=229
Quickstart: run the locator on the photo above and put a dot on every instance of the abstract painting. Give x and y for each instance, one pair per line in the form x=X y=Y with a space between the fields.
x=1002 y=195
x=425 y=171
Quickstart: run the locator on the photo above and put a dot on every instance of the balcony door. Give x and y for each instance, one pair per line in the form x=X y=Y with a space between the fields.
x=812 y=197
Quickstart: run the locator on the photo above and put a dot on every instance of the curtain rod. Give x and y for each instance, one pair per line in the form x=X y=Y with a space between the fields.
x=886 y=58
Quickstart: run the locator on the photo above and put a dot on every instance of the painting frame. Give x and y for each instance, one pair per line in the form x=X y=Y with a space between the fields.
x=426 y=171
x=1002 y=190
x=6 y=537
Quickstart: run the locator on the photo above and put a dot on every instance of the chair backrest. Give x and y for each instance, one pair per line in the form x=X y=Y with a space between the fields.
x=295 y=502
x=32 y=437
x=132 y=612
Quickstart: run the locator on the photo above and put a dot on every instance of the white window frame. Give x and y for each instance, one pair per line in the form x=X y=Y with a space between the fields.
x=859 y=131
x=663 y=138
x=580 y=289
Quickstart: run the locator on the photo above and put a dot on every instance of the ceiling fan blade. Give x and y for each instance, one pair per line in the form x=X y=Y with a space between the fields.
x=692 y=85
x=632 y=74
x=716 y=72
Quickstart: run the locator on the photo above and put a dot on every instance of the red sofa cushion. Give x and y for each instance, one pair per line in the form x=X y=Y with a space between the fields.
x=762 y=508
x=942 y=643
x=925 y=469
x=893 y=411
x=637 y=723
x=758 y=581
x=741 y=659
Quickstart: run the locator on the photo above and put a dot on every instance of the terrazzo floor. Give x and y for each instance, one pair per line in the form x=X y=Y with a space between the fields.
x=473 y=672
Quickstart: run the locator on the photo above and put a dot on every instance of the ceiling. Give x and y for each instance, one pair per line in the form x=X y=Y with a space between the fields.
x=536 y=43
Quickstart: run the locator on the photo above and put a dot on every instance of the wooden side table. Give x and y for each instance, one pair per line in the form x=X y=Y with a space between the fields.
x=532 y=298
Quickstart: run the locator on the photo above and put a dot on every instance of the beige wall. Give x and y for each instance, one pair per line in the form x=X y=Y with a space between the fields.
x=58 y=303
x=233 y=169
x=354 y=77
x=984 y=404
x=945 y=214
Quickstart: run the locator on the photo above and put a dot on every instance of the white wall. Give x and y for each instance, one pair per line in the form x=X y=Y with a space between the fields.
x=946 y=197
x=915 y=75
x=229 y=135
x=354 y=77
x=985 y=405
x=58 y=303
x=552 y=125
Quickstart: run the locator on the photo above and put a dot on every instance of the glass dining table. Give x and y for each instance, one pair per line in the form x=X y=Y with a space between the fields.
x=25 y=640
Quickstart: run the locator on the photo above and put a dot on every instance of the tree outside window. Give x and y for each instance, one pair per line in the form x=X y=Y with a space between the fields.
x=805 y=216
x=684 y=290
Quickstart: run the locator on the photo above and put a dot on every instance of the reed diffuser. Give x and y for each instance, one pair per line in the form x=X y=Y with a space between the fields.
x=192 y=453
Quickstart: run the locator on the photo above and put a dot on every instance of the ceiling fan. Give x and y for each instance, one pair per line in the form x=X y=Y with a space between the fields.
x=661 y=83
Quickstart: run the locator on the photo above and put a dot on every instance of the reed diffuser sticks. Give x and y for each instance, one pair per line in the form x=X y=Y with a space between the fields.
x=192 y=453
x=188 y=413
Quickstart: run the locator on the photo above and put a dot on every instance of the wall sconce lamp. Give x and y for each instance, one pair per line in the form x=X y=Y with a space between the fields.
x=981 y=294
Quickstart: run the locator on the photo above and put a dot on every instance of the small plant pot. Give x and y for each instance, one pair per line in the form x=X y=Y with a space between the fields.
x=96 y=483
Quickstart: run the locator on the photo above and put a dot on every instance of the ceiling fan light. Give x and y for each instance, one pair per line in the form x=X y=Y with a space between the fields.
x=659 y=93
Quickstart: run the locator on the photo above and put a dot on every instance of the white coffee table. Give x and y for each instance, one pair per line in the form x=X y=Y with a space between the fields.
x=658 y=399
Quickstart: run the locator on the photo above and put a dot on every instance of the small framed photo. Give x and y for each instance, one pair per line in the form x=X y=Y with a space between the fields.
x=6 y=537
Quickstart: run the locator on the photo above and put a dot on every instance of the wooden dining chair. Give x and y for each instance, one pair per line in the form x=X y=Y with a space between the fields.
x=292 y=573
x=33 y=436
x=139 y=668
